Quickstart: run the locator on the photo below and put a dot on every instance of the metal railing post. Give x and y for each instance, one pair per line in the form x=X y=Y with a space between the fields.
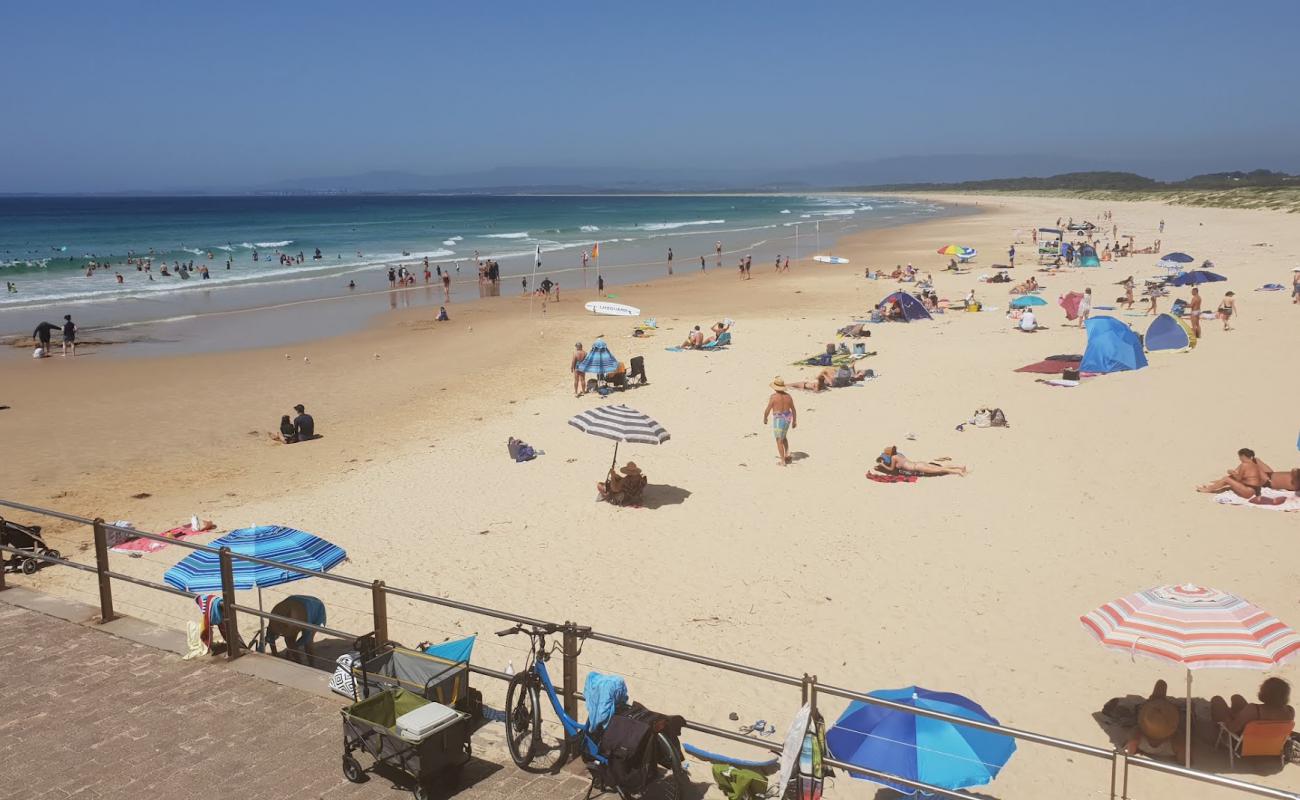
x=379 y=603
x=229 y=620
x=101 y=569
x=570 y=669
x=812 y=693
x=1123 y=767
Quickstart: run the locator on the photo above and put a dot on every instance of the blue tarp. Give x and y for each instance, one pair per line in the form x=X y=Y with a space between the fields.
x=605 y=695
x=458 y=650
x=912 y=308
x=1167 y=332
x=1112 y=347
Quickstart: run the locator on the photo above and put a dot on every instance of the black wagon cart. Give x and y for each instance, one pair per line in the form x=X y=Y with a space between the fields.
x=429 y=742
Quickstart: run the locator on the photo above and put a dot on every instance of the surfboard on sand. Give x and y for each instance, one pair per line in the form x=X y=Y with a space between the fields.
x=612 y=309
x=831 y=259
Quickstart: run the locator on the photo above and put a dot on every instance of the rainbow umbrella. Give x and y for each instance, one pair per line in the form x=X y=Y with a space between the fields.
x=961 y=252
x=1196 y=627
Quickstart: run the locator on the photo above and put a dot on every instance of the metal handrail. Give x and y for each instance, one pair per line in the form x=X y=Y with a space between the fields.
x=618 y=641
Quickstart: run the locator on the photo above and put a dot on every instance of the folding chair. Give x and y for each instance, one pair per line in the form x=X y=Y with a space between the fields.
x=1258 y=738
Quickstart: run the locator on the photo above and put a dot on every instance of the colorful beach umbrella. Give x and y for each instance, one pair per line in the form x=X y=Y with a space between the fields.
x=1195 y=277
x=622 y=424
x=599 y=360
x=923 y=749
x=1174 y=260
x=1196 y=627
x=1026 y=300
x=200 y=571
x=957 y=250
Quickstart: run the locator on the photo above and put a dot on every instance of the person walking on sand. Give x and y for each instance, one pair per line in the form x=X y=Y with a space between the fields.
x=1194 y=308
x=1227 y=307
x=69 y=336
x=670 y=261
x=578 y=377
x=1162 y=226
x=780 y=408
x=1011 y=255
x=702 y=269
x=1295 y=285
x=446 y=287
x=1085 y=307
x=717 y=248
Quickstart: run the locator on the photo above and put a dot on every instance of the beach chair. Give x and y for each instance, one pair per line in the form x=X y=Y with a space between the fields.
x=1258 y=738
x=636 y=369
x=723 y=340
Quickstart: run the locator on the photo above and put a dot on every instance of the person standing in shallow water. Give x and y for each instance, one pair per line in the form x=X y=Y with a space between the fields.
x=670 y=261
x=781 y=410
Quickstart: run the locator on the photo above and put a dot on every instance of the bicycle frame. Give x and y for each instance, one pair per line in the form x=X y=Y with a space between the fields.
x=572 y=729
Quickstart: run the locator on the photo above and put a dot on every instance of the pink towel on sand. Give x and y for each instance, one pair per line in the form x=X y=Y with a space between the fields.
x=142 y=545
x=881 y=478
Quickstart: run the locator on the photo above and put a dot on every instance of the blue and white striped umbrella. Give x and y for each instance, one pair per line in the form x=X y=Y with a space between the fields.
x=599 y=360
x=200 y=571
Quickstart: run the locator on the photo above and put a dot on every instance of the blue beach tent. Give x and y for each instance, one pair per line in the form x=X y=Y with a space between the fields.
x=1168 y=332
x=1087 y=257
x=1112 y=347
x=912 y=308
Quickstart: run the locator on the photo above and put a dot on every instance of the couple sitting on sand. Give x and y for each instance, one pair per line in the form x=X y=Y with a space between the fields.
x=1251 y=477
x=624 y=489
x=1158 y=719
x=832 y=377
x=301 y=428
x=892 y=462
x=695 y=339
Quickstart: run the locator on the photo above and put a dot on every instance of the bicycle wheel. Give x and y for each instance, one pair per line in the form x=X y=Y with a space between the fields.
x=671 y=781
x=536 y=744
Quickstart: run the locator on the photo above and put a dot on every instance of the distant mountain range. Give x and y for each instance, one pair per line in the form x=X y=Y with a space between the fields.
x=1116 y=181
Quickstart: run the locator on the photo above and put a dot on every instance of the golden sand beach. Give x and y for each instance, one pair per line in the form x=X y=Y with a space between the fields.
x=972 y=585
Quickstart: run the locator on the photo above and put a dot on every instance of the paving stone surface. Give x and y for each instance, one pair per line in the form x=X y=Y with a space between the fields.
x=93 y=716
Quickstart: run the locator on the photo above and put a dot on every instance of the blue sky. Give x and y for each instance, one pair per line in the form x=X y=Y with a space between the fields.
x=136 y=95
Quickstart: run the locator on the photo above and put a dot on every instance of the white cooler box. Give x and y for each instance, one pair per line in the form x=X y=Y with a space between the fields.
x=427 y=720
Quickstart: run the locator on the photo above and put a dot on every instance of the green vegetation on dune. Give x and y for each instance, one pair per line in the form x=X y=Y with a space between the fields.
x=1258 y=189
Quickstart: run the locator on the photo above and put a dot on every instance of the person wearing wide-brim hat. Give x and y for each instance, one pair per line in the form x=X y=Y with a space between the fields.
x=622 y=490
x=1157 y=729
x=780 y=407
x=631 y=469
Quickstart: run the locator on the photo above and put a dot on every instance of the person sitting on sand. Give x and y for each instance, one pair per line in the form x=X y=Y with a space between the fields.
x=1274 y=698
x=1246 y=481
x=288 y=434
x=1028 y=322
x=1157 y=730
x=693 y=339
x=716 y=330
x=442 y=315
x=303 y=425
x=892 y=462
x=622 y=489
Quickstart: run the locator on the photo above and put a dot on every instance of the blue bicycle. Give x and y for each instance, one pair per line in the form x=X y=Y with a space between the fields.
x=541 y=744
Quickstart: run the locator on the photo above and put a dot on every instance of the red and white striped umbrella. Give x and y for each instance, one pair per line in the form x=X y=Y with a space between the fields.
x=1194 y=626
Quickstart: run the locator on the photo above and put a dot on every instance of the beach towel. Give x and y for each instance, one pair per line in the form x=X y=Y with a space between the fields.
x=838 y=360
x=1063 y=384
x=210 y=607
x=605 y=695
x=1050 y=366
x=137 y=546
x=880 y=477
x=194 y=644
x=1271 y=287
x=1289 y=500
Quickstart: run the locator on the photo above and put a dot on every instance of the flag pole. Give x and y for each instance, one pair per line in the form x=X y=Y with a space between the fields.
x=532 y=287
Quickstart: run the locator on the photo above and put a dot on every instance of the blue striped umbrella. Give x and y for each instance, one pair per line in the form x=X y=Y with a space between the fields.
x=599 y=361
x=200 y=571
x=921 y=749
x=1027 y=300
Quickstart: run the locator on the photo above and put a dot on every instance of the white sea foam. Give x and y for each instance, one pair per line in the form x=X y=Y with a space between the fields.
x=836 y=212
x=805 y=216
x=785 y=211
x=225 y=247
x=520 y=235
x=449 y=242
x=196 y=251
x=589 y=228
x=285 y=243
x=668 y=226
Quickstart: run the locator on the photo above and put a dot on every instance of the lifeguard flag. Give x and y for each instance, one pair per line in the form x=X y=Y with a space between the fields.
x=595 y=251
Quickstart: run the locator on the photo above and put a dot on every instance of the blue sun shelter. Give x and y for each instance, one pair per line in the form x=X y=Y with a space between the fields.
x=1087 y=257
x=1112 y=347
x=912 y=308
x=1168 y=332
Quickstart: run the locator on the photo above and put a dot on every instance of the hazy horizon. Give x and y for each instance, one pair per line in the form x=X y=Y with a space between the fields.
x=198 y=99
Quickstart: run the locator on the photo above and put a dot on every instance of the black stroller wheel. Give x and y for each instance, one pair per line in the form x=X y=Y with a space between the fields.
x=30 y=566
x=352 y=770
x=53 y=554
x=421 y=792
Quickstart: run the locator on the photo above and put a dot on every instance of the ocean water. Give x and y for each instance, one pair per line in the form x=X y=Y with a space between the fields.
x=47 y=244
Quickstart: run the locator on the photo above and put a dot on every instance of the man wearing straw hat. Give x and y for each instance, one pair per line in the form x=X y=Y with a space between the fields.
x=780 y=407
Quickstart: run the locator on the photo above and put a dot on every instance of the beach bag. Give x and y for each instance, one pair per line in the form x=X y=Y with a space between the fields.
x=843 y=377
x=810 y=773
x=997 y=419
x=626 y=746
x=738 y=783
x=1070 y=374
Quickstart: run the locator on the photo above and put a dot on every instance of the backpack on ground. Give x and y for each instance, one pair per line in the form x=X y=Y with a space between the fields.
x=628 y=744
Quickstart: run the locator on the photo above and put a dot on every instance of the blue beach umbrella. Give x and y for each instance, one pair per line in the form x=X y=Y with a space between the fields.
x=200 y=571
x=1174 y=260
x=1196 y=276
x=599 y=360
x=1024 y=301
x=921 y=749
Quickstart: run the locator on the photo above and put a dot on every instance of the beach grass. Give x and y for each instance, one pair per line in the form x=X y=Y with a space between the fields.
x=1255 y=197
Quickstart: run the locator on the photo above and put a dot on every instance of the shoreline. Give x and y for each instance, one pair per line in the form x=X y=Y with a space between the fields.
x=971 y=584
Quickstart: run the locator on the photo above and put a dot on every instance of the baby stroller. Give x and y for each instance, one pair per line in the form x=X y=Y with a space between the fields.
x=26 y=538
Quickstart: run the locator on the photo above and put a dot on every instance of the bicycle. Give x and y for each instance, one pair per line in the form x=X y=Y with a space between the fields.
x=538 y=744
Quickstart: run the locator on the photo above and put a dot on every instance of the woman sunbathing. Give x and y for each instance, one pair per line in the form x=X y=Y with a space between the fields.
x=1246 y=481
x=892 y=462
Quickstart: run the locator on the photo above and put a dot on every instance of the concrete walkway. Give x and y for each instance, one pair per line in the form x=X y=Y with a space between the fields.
x=102 y=712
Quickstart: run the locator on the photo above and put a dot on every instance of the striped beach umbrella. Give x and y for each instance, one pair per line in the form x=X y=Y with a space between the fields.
x=1196 y=627
x=200 y=571
x=599 y=360
x=622 y=424
x=961 y=252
